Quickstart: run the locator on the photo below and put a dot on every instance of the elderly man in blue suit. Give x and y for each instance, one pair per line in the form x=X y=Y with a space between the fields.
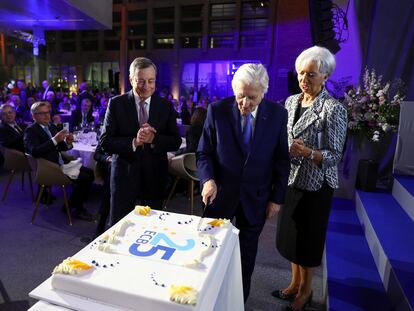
x=243 y=160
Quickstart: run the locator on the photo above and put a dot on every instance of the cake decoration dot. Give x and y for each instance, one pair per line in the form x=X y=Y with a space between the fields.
x=156 y=283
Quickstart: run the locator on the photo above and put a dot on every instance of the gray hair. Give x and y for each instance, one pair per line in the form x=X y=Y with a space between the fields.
x=35 y=107
x=4 y=106
x=140 y=63
x=323 y=58
x=251 y=74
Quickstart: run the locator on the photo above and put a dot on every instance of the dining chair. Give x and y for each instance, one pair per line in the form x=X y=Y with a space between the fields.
x=184 y=167
x=48 y=174
x=15 y=162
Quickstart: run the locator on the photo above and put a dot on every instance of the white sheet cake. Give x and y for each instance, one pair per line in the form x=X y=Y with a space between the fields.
x=159 y=261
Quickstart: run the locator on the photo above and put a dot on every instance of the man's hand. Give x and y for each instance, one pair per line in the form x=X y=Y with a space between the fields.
x=272 y=209
x=146 y=134
x=61 y=135
x=69 y=139
x=209 y=192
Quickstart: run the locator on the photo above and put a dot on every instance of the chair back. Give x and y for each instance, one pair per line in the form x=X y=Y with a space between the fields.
x=15 y=160
x=182 y=129
x=47 y=173
x=184 y=166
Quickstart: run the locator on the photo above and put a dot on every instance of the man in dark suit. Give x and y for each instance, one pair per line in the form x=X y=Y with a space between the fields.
x=84 y=93
x=43 y=140
x=11 y=133
x=139 y=129
x=243 y=160
x=46 y=88
x=82 y=116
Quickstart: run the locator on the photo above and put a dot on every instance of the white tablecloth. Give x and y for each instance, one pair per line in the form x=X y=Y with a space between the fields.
x=85 y=152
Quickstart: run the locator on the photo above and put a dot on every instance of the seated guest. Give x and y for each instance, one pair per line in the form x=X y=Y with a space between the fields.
x=102 y=109
x=193 y=134
x=11 y=133
x=83 y=116
x=65 y=104
x=42 y=140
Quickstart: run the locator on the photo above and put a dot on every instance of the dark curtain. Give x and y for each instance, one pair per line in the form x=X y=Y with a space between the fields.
x=386 y=31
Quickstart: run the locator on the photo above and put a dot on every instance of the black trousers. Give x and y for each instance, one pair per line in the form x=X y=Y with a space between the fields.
x=131 y=185
x=81 y=189
x=249 y=239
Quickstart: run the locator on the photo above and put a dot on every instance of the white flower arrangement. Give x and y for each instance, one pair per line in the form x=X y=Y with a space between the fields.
x=372 y=110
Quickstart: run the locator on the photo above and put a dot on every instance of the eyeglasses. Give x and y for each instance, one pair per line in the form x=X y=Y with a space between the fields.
x=42 y=113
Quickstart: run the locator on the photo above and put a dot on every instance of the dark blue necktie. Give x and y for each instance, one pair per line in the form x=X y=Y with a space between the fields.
x=247 y=131
x=46 y=129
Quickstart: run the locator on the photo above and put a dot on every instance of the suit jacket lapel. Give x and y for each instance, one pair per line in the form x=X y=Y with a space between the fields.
x=236 y=123
x=310 y=116
x=154 y=111
x=260 y=125
x=132 y=109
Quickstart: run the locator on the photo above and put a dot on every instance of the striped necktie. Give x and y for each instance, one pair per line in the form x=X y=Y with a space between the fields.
x=142 y=116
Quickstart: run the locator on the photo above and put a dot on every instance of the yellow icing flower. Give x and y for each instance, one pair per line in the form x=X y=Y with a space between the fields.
x=71 y=266
x=183 y=294
x=142 y=210
x=219 y=222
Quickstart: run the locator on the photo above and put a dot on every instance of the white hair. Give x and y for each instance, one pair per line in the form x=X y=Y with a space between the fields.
x=323 y=58
x=249 y=74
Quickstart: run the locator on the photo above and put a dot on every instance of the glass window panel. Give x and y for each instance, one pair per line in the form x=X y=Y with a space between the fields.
x=191 y=42
x=137 y=16
x=163 y=28
x=222 y=26
x=137 y=30
x=223 y=9
x=191 y=27
x=91 y=45
x=89 y=34
x=116 y=17
x=255 y=8
x=164 y=43
x=136 y=44
x=191 y=10
x=259 y=24
x=221 y=42
x=69 y=46
x=111 y=45
x=68 y=35
x=164 y=13
x=253 y=41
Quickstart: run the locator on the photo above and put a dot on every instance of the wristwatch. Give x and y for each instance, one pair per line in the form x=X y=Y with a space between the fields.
x=312 y=155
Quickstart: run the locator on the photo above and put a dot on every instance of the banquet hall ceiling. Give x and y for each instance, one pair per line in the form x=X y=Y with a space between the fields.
x=55 y=14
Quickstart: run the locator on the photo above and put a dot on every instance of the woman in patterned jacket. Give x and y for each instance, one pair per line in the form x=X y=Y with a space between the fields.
x=316 y=128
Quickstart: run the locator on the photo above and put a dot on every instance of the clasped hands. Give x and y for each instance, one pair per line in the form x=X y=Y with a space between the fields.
x=64 y=135
x=145 y=135
x=298 y=148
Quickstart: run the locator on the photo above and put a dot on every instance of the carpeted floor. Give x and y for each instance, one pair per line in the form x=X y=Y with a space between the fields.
x=29 y=252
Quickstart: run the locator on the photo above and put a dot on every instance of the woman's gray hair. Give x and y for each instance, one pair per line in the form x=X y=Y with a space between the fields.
x=140 y=63
x=249 y=74
x=323 y=58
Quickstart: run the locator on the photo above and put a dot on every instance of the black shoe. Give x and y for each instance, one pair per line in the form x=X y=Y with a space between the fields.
x=279 y=294
x=85 y=215
x=307 y=303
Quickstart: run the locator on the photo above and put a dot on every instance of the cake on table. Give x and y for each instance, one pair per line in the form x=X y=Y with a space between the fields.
x=148 y=259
